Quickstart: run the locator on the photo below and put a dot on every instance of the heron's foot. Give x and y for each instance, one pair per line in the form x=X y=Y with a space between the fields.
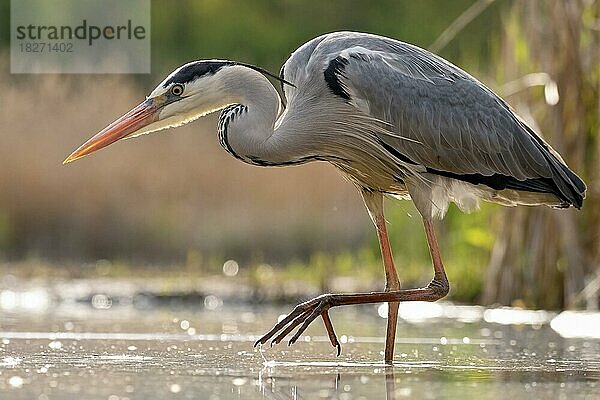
x=304 y=313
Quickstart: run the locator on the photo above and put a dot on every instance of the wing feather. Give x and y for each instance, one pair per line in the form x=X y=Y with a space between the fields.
x=436 y=116
x=455 y=124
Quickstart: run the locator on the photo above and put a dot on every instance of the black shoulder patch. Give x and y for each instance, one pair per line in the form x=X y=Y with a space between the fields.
x=332 y=75
x=195 y=70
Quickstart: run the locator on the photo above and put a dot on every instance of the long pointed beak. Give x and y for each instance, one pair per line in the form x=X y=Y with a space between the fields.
x=139 y=117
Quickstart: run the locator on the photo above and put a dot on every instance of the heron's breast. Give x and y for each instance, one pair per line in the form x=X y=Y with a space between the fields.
x=376 y=177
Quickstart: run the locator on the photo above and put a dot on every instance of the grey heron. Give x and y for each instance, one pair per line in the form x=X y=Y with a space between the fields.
x=396 y=119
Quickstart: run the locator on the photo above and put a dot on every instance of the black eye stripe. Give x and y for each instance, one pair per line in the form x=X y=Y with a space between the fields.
x=195 y=70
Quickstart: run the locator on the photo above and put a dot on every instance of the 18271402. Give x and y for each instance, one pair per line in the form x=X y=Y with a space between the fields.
x=44 y=47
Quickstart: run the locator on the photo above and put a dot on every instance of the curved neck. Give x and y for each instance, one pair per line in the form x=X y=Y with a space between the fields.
x=245 y=131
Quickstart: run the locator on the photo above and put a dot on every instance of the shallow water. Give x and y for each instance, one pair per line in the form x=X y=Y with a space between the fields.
x=119 y=352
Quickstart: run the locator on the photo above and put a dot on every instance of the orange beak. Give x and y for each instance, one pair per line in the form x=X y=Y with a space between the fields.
x=139 y=117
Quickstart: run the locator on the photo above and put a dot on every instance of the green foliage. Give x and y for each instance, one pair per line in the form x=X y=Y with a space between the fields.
x=265 y=32
x=466 y=249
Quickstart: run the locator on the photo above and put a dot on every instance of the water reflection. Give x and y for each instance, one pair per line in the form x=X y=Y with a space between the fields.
x=390 y=388
x=400 y=381
x=271 y=387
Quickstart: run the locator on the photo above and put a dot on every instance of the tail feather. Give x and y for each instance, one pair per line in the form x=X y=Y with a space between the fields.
x=568 y=186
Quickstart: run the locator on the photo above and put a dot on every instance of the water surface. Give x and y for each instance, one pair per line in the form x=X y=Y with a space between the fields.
x=98 y=350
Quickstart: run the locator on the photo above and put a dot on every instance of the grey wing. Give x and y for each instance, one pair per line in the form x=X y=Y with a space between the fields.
x=295 y=68
x=456 y=126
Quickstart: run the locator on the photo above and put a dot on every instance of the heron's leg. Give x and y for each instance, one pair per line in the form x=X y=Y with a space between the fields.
x=439 y=278
x=303 y=314
x=374 y=203
x=392 y=283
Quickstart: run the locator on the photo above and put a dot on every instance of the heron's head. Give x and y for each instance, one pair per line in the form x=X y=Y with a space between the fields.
x=191 y=91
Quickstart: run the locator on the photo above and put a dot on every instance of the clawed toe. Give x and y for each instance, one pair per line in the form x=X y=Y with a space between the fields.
x=303 y=314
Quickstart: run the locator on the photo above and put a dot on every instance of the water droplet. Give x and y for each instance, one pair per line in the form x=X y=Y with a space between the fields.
x=131 y=348
x=212 y=302
x=184 y=324
x=16 y=381
x=231 y=268
x=101 y=302
x=55 y=345
x=175 y=388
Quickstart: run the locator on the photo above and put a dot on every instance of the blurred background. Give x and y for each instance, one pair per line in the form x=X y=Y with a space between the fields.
x=174 y=205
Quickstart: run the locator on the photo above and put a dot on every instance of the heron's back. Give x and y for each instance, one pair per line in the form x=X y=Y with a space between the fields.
x=448 y=133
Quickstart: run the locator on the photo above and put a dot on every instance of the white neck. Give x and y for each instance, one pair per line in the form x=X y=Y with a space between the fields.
x=248 y=132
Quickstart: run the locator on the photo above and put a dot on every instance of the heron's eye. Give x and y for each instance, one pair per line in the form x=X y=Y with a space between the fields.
x=177 y=90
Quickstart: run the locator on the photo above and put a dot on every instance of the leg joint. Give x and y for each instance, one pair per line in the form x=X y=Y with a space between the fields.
x=328 y=299
x=439 y=286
